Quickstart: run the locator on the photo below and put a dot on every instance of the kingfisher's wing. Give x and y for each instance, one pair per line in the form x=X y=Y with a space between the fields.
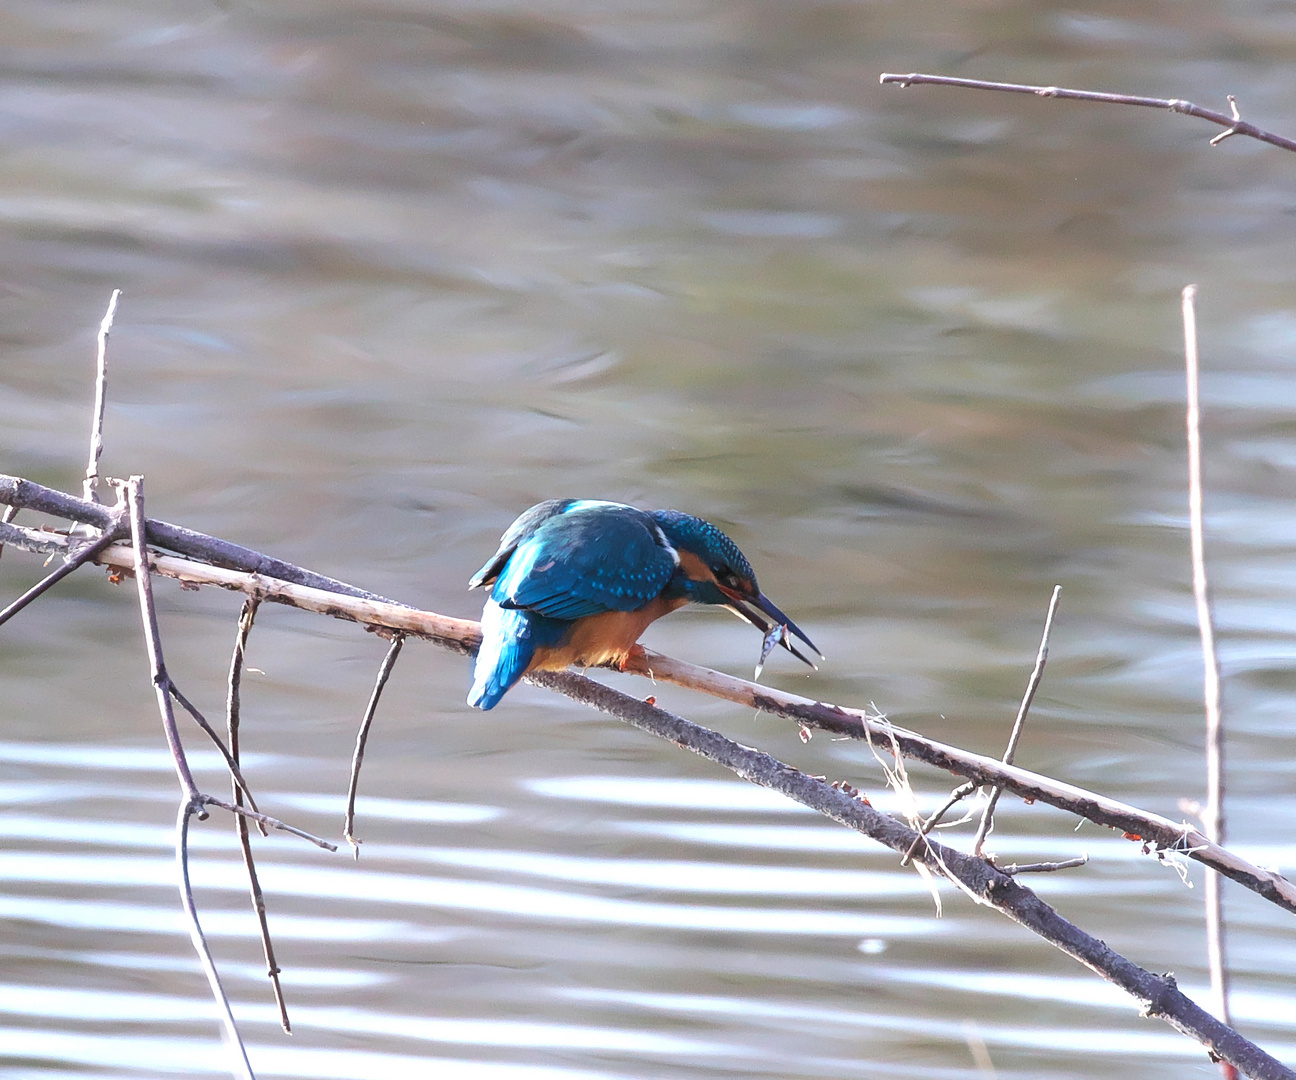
x=587 y=559
x=526 y=524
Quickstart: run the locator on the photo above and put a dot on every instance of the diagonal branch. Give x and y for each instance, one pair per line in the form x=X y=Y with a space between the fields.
x=463 y=636
x=1158 y=994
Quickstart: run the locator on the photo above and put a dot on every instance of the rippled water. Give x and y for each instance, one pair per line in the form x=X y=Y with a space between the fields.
x=394 y=272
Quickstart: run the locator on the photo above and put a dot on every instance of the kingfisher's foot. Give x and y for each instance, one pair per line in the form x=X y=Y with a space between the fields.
x=634 y=659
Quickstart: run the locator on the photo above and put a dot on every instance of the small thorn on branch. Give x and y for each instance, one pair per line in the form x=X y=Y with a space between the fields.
x=1237 y=118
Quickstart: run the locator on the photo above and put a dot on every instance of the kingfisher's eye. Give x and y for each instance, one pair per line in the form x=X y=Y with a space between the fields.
x=726 y=577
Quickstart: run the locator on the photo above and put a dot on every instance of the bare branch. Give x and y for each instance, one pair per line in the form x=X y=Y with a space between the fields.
x=1159 y=994
x=463 y=636
x=101 y=387
x=1213 y=814
x=362 y=737
x=1235 y=124
x=1032 y=684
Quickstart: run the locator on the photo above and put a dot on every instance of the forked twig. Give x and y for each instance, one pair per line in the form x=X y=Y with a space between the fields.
x=1213 y=813
x=232 y=707
x=957 y=795
x=101 y=387
x=231 y=762
x=191 y=801
x=362 y=737
x=1032 y=684
x=1232 y=121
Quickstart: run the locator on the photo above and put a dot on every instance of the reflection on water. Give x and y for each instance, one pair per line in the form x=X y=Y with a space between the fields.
x=392 y=273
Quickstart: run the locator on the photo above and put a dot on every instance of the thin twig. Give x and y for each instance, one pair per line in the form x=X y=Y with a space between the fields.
x=231 y=763
x=267 y=820
x=1233 y=121
x=101 y=387
x=957 y=795
x=1032 y=684
x=199 y=939
x=362 y=737
x=1213 y=814
x=1043 y=867
x=88 y=552
x=232 y=706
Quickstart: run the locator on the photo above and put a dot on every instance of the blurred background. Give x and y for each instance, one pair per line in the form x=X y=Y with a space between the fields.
x=394 y=271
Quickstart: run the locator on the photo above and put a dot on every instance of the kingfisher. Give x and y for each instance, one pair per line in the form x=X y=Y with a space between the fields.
x=576 y=581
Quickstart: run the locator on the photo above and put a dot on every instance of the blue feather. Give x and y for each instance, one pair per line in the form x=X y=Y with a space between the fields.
x=509 y=641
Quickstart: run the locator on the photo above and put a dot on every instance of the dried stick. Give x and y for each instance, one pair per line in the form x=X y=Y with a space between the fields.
x=362 y=737
x=191 y=801
x=88 y=552
x=1233 y=122
x=1158 y=994
x=1213 y=814
x=1032 y=684
x=232 y=704
x=463 y=636
x=101 y=387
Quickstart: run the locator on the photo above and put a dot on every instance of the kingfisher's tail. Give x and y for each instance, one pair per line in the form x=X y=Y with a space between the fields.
x=508 y=645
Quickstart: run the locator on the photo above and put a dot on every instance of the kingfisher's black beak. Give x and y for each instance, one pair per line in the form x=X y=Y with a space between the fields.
x=739 y=606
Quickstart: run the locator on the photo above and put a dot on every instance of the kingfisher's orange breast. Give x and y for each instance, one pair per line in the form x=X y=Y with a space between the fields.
x=602 y=639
